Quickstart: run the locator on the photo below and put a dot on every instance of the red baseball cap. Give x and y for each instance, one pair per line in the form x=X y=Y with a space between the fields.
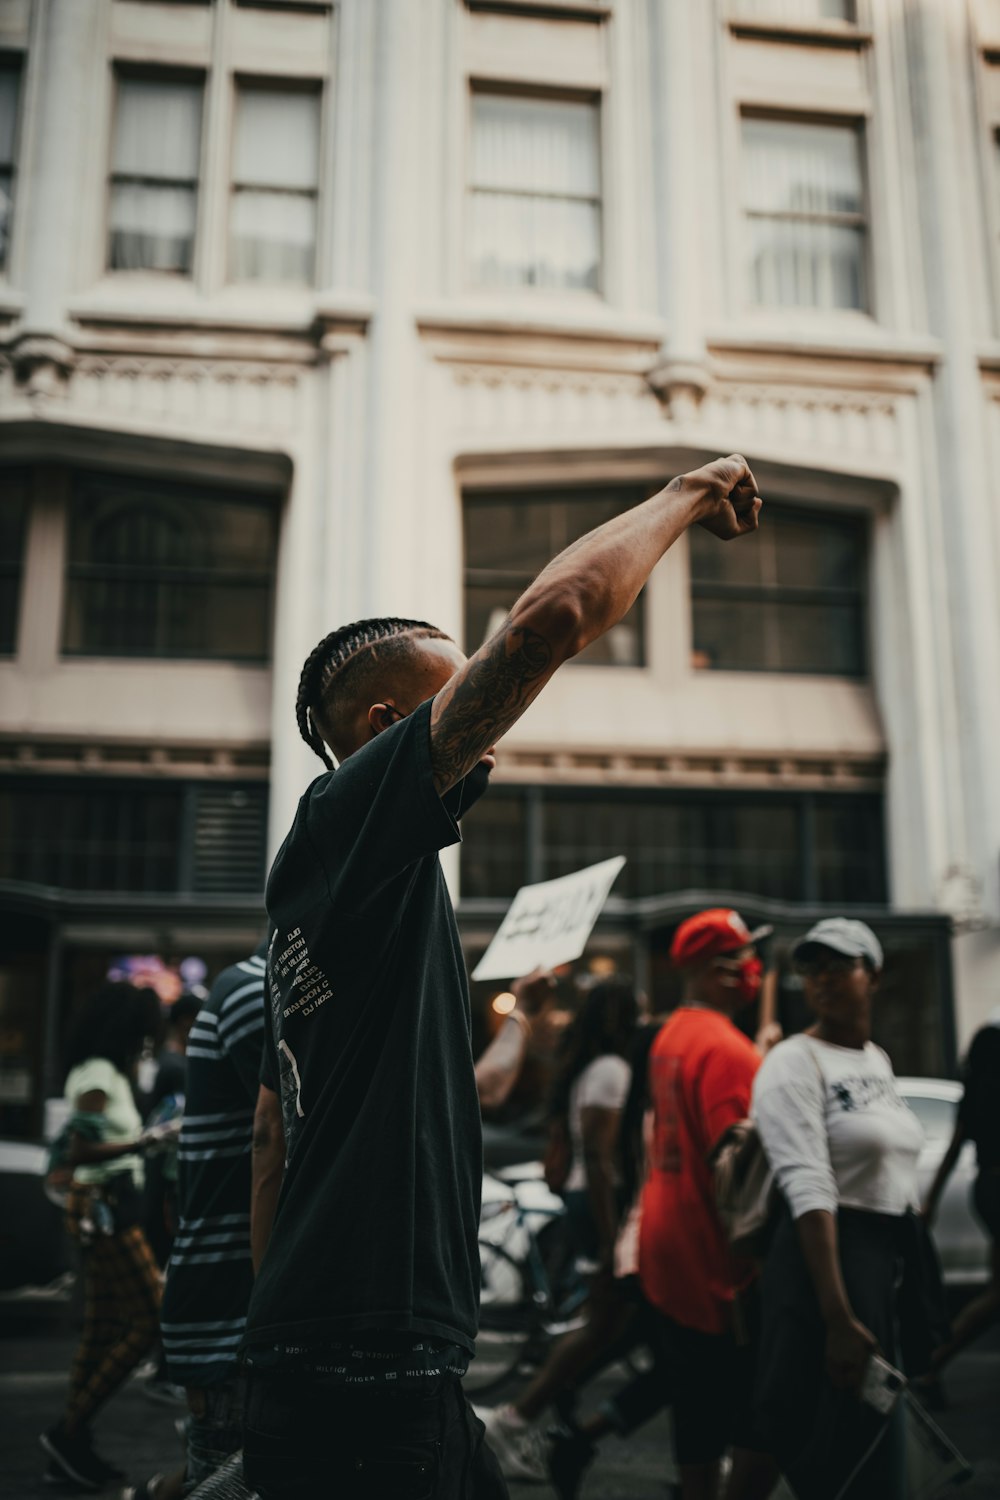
x=707 y=933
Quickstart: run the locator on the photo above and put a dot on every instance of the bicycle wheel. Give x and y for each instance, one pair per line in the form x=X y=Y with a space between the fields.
x=508 y=1320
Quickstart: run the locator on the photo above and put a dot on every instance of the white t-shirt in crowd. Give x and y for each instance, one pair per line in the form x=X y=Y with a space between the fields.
x=121 y=1117
x=603 y=1084
x=835 y=1128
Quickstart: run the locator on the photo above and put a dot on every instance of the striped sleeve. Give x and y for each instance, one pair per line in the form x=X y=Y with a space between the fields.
x=241 y=1024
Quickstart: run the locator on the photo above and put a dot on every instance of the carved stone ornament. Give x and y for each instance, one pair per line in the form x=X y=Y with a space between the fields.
x=42 y=364
x=681 y=386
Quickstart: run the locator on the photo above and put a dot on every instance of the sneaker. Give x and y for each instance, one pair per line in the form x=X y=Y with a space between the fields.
x=518 y=1445
x=73 y=1457
x=570 y=1453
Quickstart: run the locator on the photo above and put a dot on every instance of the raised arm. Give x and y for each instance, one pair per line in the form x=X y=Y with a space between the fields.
x=579 y=596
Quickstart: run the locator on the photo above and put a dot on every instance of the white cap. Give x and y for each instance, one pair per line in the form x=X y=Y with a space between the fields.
x=843 y=935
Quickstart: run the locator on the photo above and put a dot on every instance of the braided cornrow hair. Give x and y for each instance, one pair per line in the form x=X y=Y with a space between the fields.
x=330 y=657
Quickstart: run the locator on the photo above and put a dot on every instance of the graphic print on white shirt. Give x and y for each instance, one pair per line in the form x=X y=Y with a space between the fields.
x=835 y=1128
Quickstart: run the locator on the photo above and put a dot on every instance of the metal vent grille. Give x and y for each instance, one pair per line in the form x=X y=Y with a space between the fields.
x=229 y=839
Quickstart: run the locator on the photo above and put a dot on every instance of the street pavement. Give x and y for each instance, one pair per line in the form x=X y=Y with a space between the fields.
x=141 y=1437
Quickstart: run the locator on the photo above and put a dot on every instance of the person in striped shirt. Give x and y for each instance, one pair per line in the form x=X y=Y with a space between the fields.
x=210 y=1273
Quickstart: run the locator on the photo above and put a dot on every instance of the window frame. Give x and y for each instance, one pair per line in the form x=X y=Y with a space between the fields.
x=477 y=87
x=83 y=482
x=858 y=125
x=123 y=69
x=279 y=84
x=805 y=804
x=13 y=62
x=777 y=594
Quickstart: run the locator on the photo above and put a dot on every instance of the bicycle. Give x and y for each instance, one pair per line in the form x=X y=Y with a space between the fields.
x=531 y=1291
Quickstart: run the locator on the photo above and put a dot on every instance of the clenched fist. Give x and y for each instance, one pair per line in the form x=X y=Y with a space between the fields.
x=731 y=504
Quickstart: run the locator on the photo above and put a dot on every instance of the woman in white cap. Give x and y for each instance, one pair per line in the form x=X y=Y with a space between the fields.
x=843 y=1146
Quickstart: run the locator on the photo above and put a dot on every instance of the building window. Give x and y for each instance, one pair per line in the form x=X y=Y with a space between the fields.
x=272 y=235
x=804 y=200
x=510 y=536
x=794 y=12
x=535 y=195
x=793 y=602
x=804 y=847
x=154 y=175
x=13 y=527
x=10 y=92
x=168 y=837
x=167 y=571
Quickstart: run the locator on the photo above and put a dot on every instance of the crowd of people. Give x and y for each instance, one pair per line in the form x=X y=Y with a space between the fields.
x=322 y=1275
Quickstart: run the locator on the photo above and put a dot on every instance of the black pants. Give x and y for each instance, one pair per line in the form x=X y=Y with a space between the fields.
x=306 y=1440
x=818 y=1434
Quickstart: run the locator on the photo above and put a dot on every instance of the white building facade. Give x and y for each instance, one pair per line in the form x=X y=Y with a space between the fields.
x=316 y=311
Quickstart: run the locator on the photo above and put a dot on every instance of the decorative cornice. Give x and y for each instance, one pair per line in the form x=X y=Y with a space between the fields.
x=757 y=771
x=188 y=761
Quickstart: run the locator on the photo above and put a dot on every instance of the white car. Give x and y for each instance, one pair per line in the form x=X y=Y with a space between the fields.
x=960 y=1239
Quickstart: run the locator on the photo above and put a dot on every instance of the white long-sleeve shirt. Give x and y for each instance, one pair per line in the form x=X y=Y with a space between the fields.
x=835 y=1128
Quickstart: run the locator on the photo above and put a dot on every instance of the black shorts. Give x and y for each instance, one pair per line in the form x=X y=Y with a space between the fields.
x=712 y=1381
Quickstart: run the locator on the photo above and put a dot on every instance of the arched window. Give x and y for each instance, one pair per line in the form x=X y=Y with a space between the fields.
x=160 y=571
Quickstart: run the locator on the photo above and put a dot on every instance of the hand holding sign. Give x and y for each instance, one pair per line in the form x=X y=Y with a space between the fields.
x=549 y=924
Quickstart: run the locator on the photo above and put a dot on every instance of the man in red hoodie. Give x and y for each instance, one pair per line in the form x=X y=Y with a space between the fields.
x=701 y=1071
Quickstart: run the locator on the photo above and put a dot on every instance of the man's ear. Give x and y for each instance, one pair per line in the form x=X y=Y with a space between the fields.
x=381 y=716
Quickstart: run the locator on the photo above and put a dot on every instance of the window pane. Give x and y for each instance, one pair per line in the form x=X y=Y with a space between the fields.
x=13 y=523
x=91 y=837
x=272 y=237
x=799 y=12
x=678 y=846
x=535 y=203
x=811 y=552
x=800 y=183
x=527 y=241
x=535 y=145
x=10 y=87
x=277 y=139
x=152 y=228
x=791 y=167
x=850 y=850
x=795 y=263
x=730 y=636
x=157 y=129
x=804 y=611
x=494 y=847
x=165 y=574
x=10 y=84
x=154 y=175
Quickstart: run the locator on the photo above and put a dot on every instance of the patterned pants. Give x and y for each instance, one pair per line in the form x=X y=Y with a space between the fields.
x=121 y=1315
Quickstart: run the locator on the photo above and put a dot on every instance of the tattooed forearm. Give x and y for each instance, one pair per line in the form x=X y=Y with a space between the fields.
x=485 y=699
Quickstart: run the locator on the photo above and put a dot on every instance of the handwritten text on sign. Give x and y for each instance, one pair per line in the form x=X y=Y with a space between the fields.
x=549 y=923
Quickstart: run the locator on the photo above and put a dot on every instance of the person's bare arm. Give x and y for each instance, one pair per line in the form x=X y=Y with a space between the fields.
x=599 y=1127
x=498 y=1068
x=848 y=1342
x=769 y=1031
x=268 y=1170
x=84 y=1153
x=579 y=596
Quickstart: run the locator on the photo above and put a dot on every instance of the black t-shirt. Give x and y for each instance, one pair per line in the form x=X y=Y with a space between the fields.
x=370 y=1047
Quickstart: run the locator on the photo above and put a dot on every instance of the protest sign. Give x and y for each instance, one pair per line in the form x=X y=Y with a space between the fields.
x=549 y=923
